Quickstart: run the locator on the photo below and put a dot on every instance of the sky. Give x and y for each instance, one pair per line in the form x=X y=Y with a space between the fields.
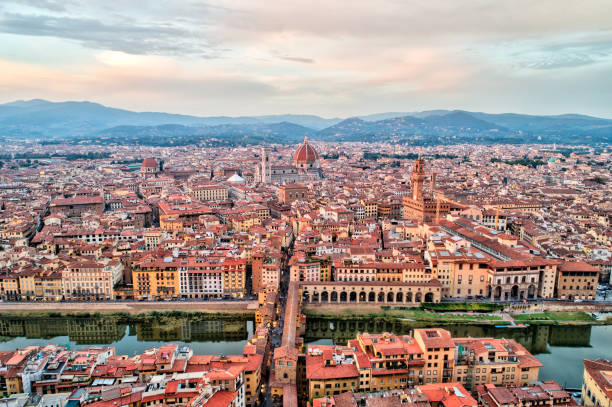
x=334 y=58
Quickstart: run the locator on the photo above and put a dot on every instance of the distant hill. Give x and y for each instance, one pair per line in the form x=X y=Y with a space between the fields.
x=258 y=133
x=446 y=127
x=94 y=122
x=435 y=128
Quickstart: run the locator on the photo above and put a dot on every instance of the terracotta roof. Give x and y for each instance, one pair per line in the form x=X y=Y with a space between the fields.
x=149 y=163
x=449 y=394
x=221 y=399
x=305 y=154
x=577 y=266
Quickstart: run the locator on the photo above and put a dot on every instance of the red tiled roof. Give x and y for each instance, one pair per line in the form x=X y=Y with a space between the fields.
x=221 y=399
x=149 y=163
x=305 y=154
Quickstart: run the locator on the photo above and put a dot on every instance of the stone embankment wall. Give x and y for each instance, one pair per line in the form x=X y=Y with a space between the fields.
x=561 y=306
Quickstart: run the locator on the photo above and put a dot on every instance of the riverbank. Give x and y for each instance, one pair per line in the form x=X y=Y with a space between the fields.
x=367 y=311
x=132 y=308
x=560 y=318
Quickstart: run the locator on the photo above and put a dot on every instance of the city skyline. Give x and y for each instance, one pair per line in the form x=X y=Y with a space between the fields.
x=340 y=60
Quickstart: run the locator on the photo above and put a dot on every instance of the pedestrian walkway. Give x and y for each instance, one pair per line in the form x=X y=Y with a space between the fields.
x=508 y=318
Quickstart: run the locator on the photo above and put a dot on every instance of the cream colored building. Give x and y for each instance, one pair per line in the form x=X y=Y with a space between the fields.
x=211 y=192
x=597 y=385
x=83 y=280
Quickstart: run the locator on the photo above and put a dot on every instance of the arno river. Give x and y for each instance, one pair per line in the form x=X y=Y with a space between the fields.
x=560 y=348
x=209 y=336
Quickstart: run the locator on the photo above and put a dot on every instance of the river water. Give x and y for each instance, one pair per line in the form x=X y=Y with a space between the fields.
x=209 y=336
x=561 y=349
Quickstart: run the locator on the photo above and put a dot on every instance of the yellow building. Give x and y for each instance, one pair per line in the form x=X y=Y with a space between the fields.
x=597 y=385
x=234 y=277
x=262 y=212
x=242 y=223
x=326 y=270
x=156 y=279
x=29 y=285
x=439 y=354
x=170 y=223
x=14 y=385
x=9 y=286
x=51 y=286
x=463 y=272
x=370 y=209
x=18 y=229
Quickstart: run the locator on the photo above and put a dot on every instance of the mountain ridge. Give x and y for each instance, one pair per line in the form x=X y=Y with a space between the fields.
x=83 y=119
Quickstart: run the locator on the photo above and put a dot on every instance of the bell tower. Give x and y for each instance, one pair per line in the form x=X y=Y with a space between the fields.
x=265 y=166
x=416 y=179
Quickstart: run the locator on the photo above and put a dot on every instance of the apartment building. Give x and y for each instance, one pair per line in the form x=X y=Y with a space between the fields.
x=303 y=268
x=377 y=362
x=497 y=361
x=577 y=280
x=209 y=192
x=596 y=386
x=91 y=280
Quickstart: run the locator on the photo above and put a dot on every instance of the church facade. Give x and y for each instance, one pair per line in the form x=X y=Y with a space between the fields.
x=305 y=166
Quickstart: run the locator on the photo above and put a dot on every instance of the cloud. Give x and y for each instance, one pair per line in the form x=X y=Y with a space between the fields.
x=129 y=36
x=302 y=60
x=568 y=52
x=52 y=5
x=345 y=57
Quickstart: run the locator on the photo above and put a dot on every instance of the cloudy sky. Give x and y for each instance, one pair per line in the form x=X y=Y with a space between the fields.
x=326 y=57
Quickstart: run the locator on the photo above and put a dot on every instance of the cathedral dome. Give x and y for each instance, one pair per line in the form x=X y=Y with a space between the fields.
x=305 y=155
x=149 y=163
